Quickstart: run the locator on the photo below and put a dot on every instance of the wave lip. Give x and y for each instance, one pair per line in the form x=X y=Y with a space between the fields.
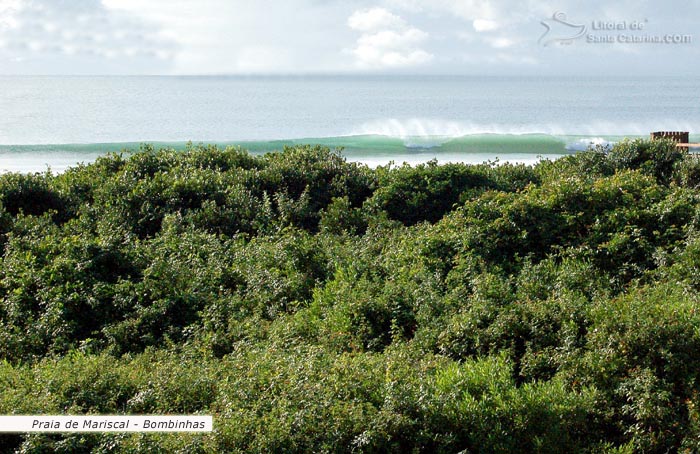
x=436 y=131
x=426 y=133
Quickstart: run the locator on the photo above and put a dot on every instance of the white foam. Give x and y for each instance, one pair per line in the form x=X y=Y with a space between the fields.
x=589 y=142
x=443 y=130
x=437 y=128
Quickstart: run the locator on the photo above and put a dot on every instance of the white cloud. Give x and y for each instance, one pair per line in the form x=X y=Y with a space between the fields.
x=483 y=15
x=81 y=36
x=391 y=49
x=9 y=5
x=290 y=36
x=8 y=14
x=397 y=59
x=374 y=19
x=387 y=42
x=223 y=36
x=484 y=25
x=474 y=9
x=502 y=42
x=413 y=6
x=389 y=39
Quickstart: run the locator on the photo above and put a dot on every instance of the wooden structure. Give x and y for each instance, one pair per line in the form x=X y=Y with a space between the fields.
x=682 y=138
x=676 y=136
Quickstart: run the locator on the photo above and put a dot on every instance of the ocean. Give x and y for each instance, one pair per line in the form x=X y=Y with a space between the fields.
x=55 y=122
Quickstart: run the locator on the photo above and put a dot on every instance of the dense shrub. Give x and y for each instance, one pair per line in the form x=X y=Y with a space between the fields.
x=425 y=192
x=642 y=354
x=315 y=305
x=656 y=158
x=30 y=194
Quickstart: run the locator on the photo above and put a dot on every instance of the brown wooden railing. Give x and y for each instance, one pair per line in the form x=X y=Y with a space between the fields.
x=676 y=136
x=682 y=138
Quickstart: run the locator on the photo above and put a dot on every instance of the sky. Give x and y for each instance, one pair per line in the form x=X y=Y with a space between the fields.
x=216 y=37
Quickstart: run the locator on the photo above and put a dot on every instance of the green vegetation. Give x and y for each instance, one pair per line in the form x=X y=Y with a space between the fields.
x=315 y=305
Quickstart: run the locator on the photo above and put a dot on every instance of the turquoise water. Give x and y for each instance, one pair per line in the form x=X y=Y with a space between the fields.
x=59 y=121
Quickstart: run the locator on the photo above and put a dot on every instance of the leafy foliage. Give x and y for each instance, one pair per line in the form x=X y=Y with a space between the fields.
x=315 y=305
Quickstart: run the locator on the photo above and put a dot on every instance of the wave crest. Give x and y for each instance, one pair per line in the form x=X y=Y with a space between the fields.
x=437 y=131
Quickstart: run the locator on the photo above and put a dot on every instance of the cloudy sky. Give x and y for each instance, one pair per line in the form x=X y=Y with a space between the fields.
x=508 y=37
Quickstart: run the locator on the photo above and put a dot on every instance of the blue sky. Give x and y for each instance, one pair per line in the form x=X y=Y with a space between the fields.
x=500 y=37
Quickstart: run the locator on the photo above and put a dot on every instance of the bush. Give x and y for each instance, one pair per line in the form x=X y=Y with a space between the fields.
x=425 y=192
x=315 y=305
x=30 y=194
x=656 y=158
x=642 y=354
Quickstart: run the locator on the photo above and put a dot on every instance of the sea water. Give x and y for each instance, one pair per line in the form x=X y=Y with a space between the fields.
x=56 y=122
